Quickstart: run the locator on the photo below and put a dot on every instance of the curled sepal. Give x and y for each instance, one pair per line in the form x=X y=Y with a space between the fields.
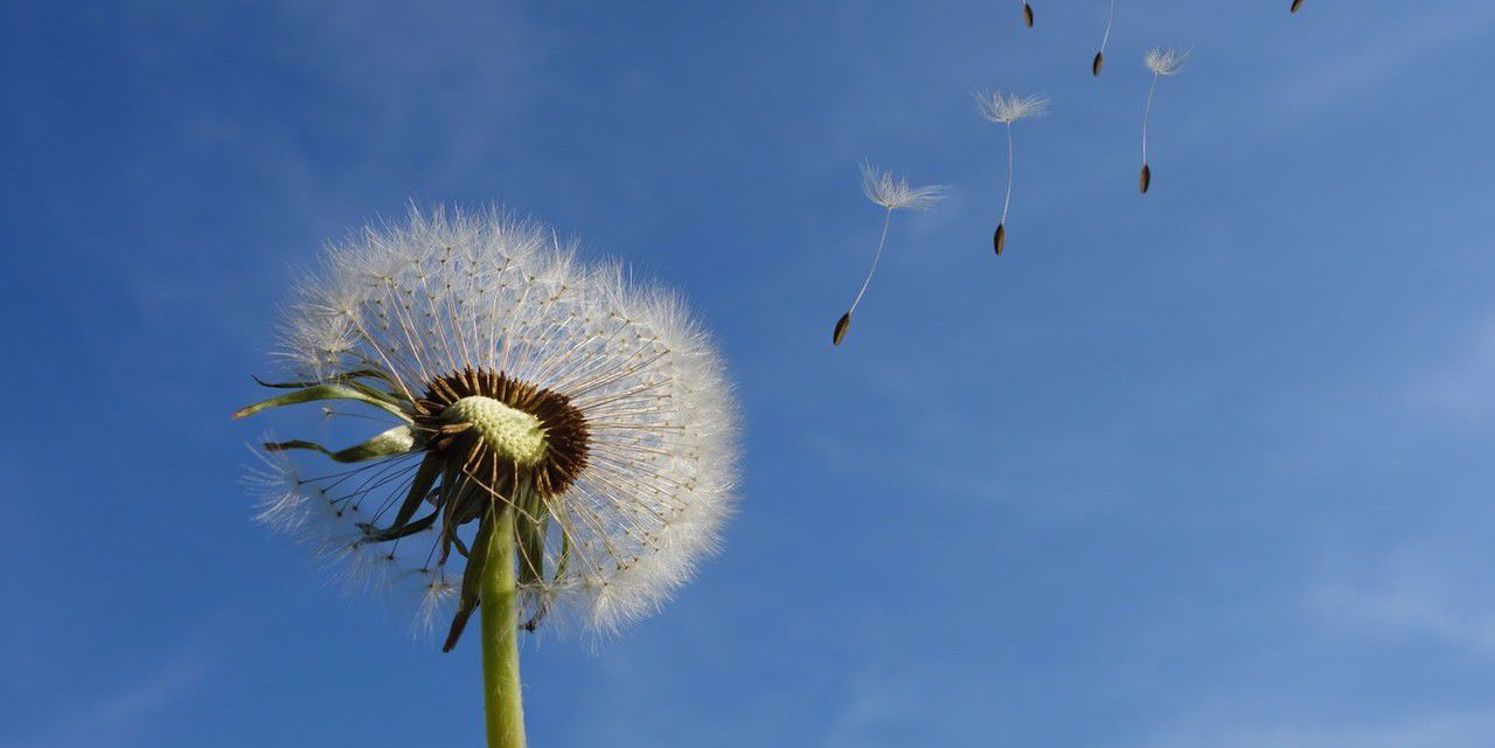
x=472 y=580
x=420 y=488
x=396 y=441
x=326 y=392
x=531 y=522
x=344 y=377
x=350 y=379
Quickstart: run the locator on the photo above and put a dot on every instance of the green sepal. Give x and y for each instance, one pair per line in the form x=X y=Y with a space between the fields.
x=446 y=501
x=344 y=377
x=420 y=488
x=530 y=523
x=327 y=392
x=350 y=379
x=472 y=579
x=375 y=535
x=396 y=441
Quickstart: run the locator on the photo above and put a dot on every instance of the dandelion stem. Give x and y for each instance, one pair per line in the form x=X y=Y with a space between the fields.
x=501 y=697
x=886 y=219
x=1147 y=114
x=1007 y=201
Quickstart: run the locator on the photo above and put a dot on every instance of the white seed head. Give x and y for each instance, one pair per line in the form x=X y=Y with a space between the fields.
x=1009 y=108
x=894 y=193
x=446 y=293
x=1165 y=61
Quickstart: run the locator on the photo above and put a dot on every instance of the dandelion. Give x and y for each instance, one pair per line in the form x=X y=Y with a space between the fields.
x=1161 y=62
x=560 y=441
x=892 y=193
x=1100 y=54
x=1296 y=4
x=1006 y=109
x=1027 y=14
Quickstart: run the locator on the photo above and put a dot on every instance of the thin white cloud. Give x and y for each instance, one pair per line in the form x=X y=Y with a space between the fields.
x=1475 y=729
x=1431 y=590
x=1357 y=75
x=1462 y=385
x=125 y=715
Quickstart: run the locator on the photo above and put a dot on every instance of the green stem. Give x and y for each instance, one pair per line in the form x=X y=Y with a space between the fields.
x=497 y=593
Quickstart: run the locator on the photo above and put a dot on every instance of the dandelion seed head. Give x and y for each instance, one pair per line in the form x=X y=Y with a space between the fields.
x=894 y=193
x=515 y=377
x=1006 y=109
x=1165 y=61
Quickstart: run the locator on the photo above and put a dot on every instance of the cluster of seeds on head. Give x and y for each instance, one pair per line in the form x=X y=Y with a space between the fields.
x=537 y=429
x=525 y=384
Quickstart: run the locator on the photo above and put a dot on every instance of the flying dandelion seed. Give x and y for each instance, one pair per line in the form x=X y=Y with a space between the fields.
x=560 y=441
x=1006 y=109
x=1161 y=62
x=1100 y=54
x=1296 y=4
x=892 y=193
x=1028 y=14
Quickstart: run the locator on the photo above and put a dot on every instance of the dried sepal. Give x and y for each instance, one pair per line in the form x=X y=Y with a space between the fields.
x=472 y=580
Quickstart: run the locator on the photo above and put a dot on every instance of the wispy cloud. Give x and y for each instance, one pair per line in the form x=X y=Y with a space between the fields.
x=123 y=716
x=1431 y=589
x=1463 y=384
x=1474 y=729
x=1357 y=74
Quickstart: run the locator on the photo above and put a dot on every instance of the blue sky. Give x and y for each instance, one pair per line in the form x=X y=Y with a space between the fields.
x=1209 y=467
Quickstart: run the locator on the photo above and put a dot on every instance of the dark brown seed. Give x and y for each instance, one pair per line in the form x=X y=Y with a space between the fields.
x=1097 y=63
x=841 y=327
x=999 y=240
x=1028 y=14
x=1296 y=4
x=1146 y=178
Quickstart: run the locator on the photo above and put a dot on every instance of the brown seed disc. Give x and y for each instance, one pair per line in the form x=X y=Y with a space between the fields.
x=1028 y=14
x=841 y=326
x=1097 y=63
x=566 y=433
x=999 y=240
x=1296 y=4
x=1146 y=180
